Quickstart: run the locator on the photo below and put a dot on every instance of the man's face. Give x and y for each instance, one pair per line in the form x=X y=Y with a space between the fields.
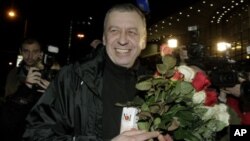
x=124 y=37
x=31 y=54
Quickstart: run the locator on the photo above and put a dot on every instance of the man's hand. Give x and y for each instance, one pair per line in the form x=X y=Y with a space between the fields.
x=139 y=135
x=235 y=90
x=165 y=138
x=33 y=77
x=43 y=84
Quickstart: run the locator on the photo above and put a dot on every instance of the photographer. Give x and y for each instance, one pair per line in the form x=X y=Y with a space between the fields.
x=24 y=86
x=238 y=97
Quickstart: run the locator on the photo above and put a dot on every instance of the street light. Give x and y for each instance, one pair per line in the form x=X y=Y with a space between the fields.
x=11 y=13
x=172 y=43
x=223 y=46
x=80 y=36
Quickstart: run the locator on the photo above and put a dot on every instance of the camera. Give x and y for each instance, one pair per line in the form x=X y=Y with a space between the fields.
x=222 y=78
x=225 y=73
x=49 y=59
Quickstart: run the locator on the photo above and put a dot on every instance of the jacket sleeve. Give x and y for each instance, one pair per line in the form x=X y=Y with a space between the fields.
x=52 y=117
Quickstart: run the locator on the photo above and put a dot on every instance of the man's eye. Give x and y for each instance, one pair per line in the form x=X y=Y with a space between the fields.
x=113 y=30
x=132 y=33
x=36 y=51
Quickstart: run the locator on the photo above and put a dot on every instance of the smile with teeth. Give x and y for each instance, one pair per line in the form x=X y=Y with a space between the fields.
x=122 y=50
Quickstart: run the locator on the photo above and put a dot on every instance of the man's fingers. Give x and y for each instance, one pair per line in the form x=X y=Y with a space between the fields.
x=140 y=135
x=147 y=135
x=165 y=138
x=32 y=69
x=43 y=83
x=133 y=132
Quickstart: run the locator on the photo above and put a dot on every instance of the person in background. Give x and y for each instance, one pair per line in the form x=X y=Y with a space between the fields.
x=237 y=98
x=23 y=88
x=80 y=102
x=96 y=43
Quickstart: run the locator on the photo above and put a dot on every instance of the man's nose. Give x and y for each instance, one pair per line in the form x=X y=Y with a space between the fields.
x=123 y=38
x=30 y=55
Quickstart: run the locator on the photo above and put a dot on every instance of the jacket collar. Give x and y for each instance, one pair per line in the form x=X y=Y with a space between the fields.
x=90 y=70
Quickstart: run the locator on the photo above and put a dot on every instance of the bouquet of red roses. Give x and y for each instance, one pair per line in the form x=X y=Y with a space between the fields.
x=178 y=100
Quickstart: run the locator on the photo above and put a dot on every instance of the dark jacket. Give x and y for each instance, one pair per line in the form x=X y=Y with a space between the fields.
x=16 y=89
x=19 y=99
x=71 y=108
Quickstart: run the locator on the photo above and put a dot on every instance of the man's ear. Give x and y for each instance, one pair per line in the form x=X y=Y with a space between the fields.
x=103 y=40
x=143 y=43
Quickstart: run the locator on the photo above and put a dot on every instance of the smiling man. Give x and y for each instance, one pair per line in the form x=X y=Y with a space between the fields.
x=124 y=36
x=80 y=102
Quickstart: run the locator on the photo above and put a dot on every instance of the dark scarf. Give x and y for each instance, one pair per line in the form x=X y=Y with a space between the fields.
x=119 y=86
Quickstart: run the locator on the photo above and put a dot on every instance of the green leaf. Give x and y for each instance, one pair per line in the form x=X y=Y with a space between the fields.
x=159 y=81
x=186 y=115
x=150 y=92
x=150 y=99
x=144 y=115
x=176 y=108
x=138 y=100
x=145 y=107
x=143 y=125
x=169 y=61
x=170 y=72
x=157 y=121
x=144 y=85
x=176 y=86
x=174 y=124
x=157 y=93
x=187 y=119
x=154 y=108
x=187 y=135
x=162 y=96
x=186 y=87
x=162 y=68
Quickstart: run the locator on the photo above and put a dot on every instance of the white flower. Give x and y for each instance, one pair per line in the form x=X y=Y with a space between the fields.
x=218 y=112
x=222 y=114
x=188 y=72
x=209 y=114
x=199 y=97
x=221 y=107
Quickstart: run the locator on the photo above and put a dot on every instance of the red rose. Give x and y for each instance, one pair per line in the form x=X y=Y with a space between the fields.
x=177 y=76
x=200 y=81
x=165 y=50
x=211 y=97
